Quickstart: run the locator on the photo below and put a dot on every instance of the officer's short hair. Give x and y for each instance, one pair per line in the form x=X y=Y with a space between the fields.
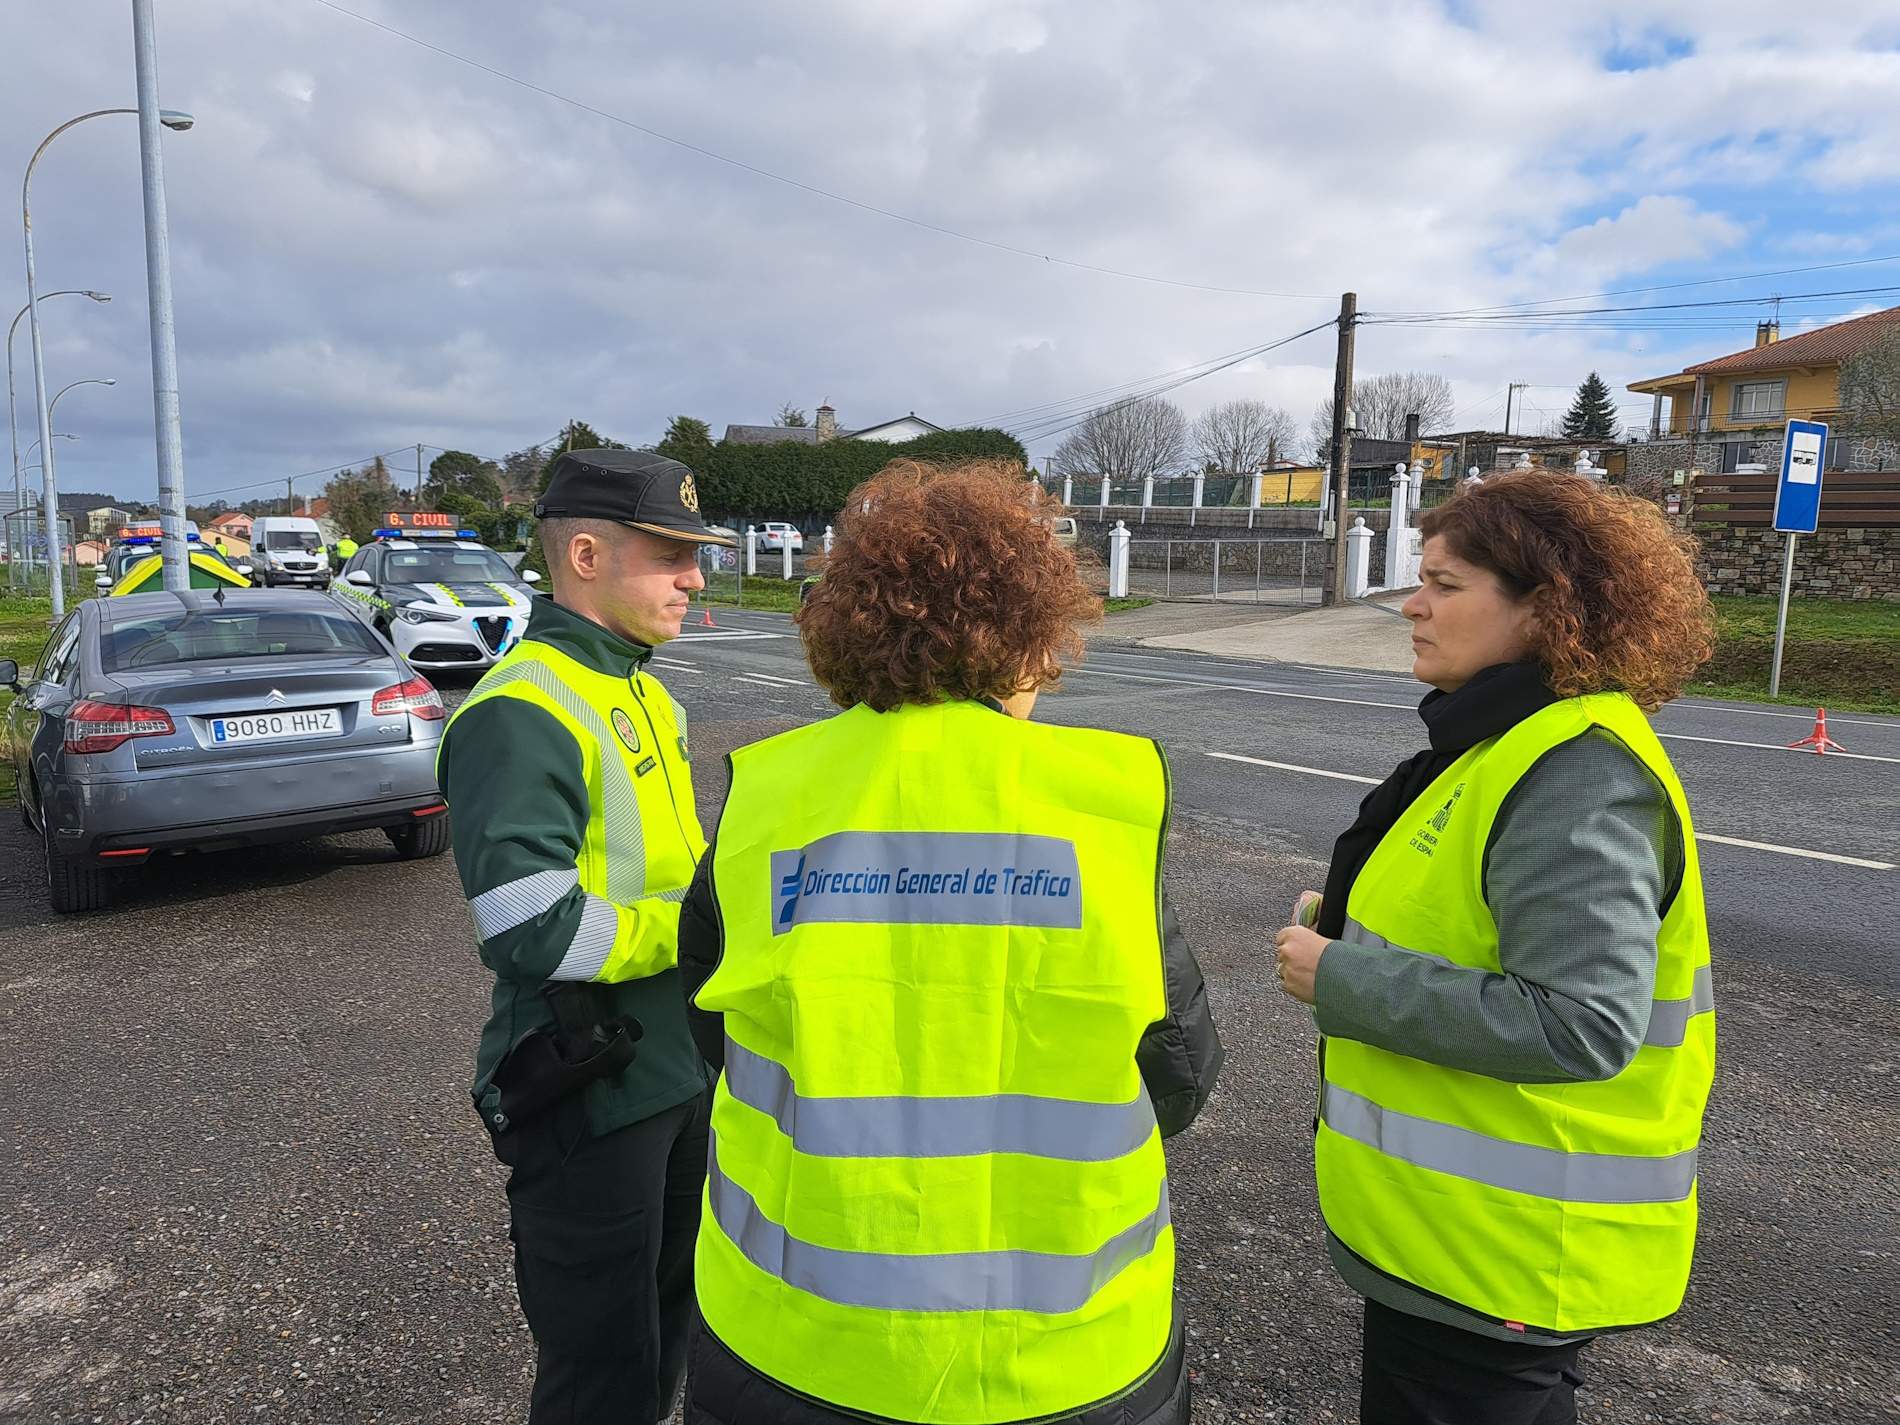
x=558 y=532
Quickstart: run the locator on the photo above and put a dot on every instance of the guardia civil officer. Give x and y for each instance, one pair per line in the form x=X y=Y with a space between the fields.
x=954 y=1013
x=1511 y=967
x=571 y=798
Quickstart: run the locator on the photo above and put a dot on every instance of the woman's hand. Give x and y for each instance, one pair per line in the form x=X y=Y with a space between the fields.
x=1297 y=950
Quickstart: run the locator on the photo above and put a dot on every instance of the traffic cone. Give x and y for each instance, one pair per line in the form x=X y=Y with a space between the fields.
x=705 y=616
x=1818 y=739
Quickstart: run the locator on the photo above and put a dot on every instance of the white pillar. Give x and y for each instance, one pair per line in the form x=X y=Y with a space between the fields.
x=1472 y=477
x=827 y=539
x=1523 y=460
x=1259 y=486
x=1068 y=490
x=1118 y=561
x=1416 y=494
x=1395 y=532
x=1358 y=556
x=751 y=550
x=786 y=550
x=1107 y=484
x=1147 y=492
x=1200 y=487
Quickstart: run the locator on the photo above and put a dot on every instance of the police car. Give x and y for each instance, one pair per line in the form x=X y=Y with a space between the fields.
x=441 y=597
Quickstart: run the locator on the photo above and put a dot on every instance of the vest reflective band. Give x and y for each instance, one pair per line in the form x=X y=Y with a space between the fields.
x=636 y=845
x=1566 y=1207
x=936 y=1189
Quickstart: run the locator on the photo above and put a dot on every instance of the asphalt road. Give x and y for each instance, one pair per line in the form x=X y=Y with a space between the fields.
x=241 y=1181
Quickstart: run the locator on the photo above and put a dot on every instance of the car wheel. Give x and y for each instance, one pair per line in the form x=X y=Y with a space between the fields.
x=420 y=840
x=71 y=887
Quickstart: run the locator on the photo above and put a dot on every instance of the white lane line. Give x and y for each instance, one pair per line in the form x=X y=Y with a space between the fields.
x=675 y=663
x=1295 y=767
x=1797 y=716
x=1235 y=688
x=754 y=680
x=1772 y=747
x=1699 y=836
x=720 y=635
x=788 y=682
x=1797 y=851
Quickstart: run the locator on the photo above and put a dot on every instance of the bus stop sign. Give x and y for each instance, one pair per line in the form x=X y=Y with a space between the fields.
x=1798 y=492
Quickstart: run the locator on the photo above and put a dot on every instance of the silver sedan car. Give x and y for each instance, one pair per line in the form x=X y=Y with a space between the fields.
x=160 y=723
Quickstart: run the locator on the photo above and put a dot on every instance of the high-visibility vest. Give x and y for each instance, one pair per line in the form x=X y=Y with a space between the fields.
x=936 y=1190
x=634 y=759
x=1567 y=1207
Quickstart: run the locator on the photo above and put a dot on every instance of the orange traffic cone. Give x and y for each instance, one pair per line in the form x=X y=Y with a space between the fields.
x=705 y=616
x=1818 y=739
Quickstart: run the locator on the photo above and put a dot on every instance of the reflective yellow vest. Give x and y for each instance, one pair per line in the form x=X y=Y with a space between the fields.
x=1568 y=1207
x=937 y=1191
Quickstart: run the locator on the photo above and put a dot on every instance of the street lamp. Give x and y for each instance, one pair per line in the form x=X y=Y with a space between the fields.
x=13 y=421
x=53 y=405
x=171 y=119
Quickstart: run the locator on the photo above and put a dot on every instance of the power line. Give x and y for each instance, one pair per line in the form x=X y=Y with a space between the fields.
x=804 y=187
x=1425 y=318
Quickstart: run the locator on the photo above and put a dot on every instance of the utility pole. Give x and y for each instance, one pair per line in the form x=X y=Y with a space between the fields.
x=290 y=495
x=1510 y=391
x=418 y=473
x=1342 y=439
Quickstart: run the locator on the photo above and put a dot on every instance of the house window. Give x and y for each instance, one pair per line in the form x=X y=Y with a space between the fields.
x=1737 y=453
x=1758 y=400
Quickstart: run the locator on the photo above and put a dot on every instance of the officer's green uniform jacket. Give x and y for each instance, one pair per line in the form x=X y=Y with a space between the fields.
x=571 y=798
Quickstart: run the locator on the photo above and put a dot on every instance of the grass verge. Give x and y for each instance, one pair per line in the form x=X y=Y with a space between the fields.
x=1838 y=655
x=1122 y=606
x=23 y=629
x=778 y=596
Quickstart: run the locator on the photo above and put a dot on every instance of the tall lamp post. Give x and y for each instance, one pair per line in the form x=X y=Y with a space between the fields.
x=171 y=120
x=13 y=419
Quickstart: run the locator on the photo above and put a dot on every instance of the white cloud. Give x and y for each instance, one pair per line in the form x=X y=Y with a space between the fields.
x=1655 y=230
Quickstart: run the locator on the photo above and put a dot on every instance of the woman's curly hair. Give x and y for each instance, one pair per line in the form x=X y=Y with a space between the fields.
x=1619 y=606
x=944 y=582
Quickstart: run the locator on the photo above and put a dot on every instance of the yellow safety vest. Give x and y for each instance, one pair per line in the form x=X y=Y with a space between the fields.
x=936 y=1190
x=1567 y=1207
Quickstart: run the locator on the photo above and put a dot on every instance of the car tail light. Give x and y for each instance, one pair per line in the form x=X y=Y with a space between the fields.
x=100 y=727
x=417 y=697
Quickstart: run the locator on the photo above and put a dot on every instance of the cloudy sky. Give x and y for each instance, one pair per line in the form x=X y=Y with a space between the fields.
x=376 y=244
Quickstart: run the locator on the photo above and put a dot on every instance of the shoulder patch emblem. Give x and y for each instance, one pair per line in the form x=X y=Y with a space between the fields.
x=623 y=729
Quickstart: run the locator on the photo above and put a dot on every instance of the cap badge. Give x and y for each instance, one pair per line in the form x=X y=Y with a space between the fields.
x=689 y=494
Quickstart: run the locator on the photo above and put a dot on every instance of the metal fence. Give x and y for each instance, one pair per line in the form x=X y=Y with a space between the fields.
x=23 y=546
x=1247 y=571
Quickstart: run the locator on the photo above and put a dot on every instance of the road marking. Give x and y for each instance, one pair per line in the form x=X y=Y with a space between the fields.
x=1699 y=836
x=724 y=636
x=1237 y=688
x=788 y=682
x=1773 y=747
x=1797 y=851
x=756 y=680
x=675 y=663
x=1797 y=716
x=1295 y=767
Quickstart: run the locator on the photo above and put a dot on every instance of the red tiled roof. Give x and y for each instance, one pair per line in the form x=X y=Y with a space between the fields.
x=1824 y=346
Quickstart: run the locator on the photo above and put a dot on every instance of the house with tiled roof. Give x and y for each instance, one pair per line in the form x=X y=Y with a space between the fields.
x=1733 y=400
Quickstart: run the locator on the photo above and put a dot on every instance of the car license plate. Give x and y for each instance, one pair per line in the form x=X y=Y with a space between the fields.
x=276 y=726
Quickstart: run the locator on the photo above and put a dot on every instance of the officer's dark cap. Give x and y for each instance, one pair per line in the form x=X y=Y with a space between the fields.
x=632 y=487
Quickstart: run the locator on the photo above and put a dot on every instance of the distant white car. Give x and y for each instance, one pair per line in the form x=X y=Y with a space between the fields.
x=777 y=535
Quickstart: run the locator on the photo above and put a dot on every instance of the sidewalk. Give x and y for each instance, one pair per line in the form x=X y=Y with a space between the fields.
x=1361 y=635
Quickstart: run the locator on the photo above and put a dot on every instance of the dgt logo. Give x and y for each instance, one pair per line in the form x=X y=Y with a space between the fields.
x=788 y=894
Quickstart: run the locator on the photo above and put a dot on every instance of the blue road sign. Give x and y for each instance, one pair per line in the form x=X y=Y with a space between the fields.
x=1798 y=492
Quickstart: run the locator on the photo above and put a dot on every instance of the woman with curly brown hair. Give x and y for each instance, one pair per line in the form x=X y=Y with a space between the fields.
x=953 y=1016
x=1510 y=967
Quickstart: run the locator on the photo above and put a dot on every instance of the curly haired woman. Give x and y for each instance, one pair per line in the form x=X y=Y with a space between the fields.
x=952 y=1013
x=1510 y=967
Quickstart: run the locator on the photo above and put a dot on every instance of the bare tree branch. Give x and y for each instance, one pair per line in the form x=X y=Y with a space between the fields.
x=1870 y=390
x=1236 y=437
x=1126 y=441
x=1380 y=405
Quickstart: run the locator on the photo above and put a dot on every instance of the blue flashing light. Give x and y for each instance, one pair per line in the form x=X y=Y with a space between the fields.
x=468 y=534
x=388 y=534
x=140 y=539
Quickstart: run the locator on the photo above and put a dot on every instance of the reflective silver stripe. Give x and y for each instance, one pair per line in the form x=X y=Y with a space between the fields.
x=521 y=901
x=1669 y=1018
x=1046 y=1282
x=898 y=1126
x=620 y=805
x=1498 y=1162
x=593 y=941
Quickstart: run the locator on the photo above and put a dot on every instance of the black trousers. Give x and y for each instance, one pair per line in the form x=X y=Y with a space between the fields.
x=1419 y=1372
x=603 y=1231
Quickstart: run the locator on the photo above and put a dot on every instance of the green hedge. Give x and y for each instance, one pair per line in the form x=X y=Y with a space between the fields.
x=792 y=481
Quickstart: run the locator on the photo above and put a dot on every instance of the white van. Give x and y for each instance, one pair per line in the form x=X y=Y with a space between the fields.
x=288 y=549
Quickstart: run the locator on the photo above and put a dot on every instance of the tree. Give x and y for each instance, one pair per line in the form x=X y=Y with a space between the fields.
x=575 y=435
x=1129 y=440
x=790 y=415
x=458 y=472
x=1870 y=390
x=520 y=470
x=1238 y=437
x=1380 y=405
x=359 y=499
x=688 y=441
x=1592 y=416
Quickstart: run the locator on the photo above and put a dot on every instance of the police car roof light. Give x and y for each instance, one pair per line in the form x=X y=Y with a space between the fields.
x=468 y=534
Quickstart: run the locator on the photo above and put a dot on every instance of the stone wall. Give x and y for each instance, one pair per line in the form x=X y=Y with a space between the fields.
x=1855 y=564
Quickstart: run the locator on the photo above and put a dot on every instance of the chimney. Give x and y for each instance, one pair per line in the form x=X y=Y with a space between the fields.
x=1411 y=428
x=1766 y=332
x=827 y=422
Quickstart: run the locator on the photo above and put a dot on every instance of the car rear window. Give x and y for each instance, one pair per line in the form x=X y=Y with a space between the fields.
x=187 y=637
